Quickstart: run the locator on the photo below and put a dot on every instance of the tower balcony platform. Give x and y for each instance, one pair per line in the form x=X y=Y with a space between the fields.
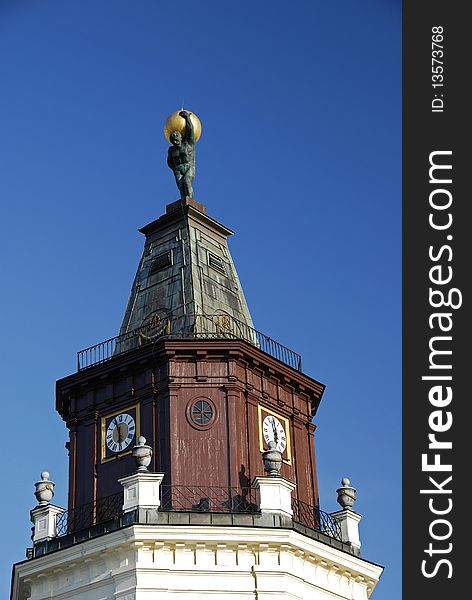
x=189 y=506
x=202 y=327
x=198 y=542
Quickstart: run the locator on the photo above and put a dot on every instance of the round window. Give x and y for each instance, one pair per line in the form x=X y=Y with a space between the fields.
x=202 y=412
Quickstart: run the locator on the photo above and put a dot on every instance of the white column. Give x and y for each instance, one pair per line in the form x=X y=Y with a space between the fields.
x=141 y=490
x=275 y=495
x=44 y=519
x=349 y=523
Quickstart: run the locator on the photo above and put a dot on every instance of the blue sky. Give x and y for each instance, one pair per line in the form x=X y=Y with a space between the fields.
x=300 y=154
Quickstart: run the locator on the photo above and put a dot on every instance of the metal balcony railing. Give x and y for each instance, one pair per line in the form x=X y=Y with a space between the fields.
x=88 y=515
x=314 y=518
x=179 y=498
x=205 y=327
x=208 y=499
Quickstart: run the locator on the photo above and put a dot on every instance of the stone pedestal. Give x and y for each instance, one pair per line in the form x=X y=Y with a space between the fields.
x=275 y=495
x=349 y=522
x=44 y=519
x=141 y=490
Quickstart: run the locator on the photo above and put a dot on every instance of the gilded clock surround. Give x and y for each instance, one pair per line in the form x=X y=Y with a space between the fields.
x=105 y=457
x=262 y=412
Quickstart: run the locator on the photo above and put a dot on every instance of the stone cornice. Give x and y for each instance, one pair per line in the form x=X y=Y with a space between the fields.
x=165 y=349
x=134 y=540
x=185 y=210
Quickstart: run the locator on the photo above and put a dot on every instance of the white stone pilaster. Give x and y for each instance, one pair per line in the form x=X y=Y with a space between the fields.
x=141 y=490
x=44 y=519
x=349 y=522
x=275 y=495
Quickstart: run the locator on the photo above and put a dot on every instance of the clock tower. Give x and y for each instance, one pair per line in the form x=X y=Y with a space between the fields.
x=190 y=373
x=192 y=464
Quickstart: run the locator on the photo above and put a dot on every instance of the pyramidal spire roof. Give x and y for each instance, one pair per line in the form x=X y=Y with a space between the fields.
x=186 y=282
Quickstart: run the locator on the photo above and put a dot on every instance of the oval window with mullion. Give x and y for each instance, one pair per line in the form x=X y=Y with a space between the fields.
x=202 y=412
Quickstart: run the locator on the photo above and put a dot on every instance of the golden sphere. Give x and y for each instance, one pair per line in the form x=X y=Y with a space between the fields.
x=177 y=123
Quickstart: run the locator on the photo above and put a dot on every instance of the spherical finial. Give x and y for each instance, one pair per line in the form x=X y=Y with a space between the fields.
x=44 y=475
x=175 y=122
x=345 y=481
x=141 y=440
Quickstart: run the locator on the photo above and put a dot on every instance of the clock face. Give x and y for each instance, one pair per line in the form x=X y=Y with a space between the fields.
x=120 y=432
x=273 y=431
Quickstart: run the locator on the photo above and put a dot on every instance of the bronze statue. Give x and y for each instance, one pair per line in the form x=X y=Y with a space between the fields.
x=181 y=156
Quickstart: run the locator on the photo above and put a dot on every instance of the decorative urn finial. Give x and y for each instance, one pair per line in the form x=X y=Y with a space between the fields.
x=272 y=459
x=44 y=491
x=142 y=454
x=346 y=494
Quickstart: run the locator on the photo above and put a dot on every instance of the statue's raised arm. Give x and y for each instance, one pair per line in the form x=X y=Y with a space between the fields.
x=189 y=133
